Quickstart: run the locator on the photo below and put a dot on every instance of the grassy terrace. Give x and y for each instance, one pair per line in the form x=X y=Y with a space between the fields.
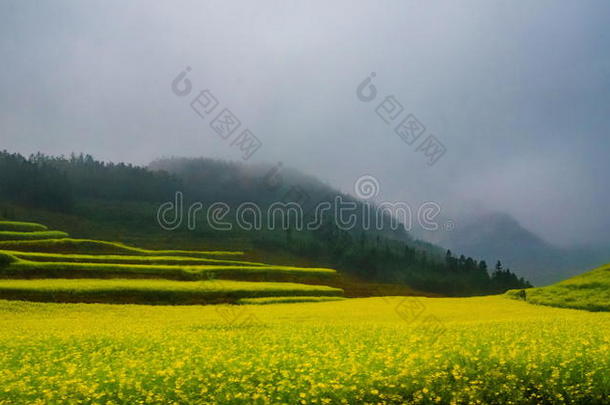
x=21 y=226
x=31 y=236
x=152 y=291
x=47 y=266
x=90 y=246
x=126 y=259
x=29 y=269
x=285 y=300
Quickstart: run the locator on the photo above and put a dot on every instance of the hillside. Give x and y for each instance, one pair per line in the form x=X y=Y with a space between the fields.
x=108 y=201
x=36 y=268
x=589 y=291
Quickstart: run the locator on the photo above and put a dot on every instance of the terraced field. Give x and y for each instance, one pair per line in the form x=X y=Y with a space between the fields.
x=125 y=259
x=98 y=247
x=37 y=265
x=36 y=235
x=286 y=342
x=7 y=226
x=152 y=291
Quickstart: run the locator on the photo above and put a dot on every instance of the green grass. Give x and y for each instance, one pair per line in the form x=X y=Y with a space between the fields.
x=20 y=268
x=6 y=259
x=126 y=259
x=151 y=291
x=21 y=226
x=31 y=236
x=589 y=291
x=285 y=300
x=90 y=246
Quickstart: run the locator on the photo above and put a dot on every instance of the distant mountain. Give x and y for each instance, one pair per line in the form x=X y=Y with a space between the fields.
x=496 y=235
x=209 y=180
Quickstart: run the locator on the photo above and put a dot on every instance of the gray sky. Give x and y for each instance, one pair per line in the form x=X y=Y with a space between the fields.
x=517 y=91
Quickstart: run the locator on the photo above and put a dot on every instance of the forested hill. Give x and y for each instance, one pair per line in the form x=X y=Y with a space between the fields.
x=110 y=197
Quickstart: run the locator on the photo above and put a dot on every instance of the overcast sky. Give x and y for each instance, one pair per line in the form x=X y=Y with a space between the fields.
x=517 y=91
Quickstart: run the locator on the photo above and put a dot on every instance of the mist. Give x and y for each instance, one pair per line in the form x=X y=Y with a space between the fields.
x=518 y=93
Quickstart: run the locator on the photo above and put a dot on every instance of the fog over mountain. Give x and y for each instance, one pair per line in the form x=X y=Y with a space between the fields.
x=517 y=92
x=496 y=236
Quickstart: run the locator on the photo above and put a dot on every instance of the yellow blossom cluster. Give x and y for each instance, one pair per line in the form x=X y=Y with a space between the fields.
x=492 y=350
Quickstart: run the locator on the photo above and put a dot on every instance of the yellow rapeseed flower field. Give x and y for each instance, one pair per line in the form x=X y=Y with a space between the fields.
x=486 y=350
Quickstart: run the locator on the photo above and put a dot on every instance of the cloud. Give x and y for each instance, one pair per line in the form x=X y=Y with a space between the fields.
x=517 y=92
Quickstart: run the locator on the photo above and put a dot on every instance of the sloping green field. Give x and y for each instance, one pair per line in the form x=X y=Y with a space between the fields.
x=152 y=291
x=30 y=269
x=31 y=236
x=589 y=291
x=21 y=226
x=90 y=247
x=126 y=259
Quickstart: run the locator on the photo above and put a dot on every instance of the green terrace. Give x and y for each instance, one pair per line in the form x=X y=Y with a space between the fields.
x=153 y=291
x=125 y=259
x=41 y=265
x=20 y=268
x=36 y=235
x=15 y=226
x=90 y=246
